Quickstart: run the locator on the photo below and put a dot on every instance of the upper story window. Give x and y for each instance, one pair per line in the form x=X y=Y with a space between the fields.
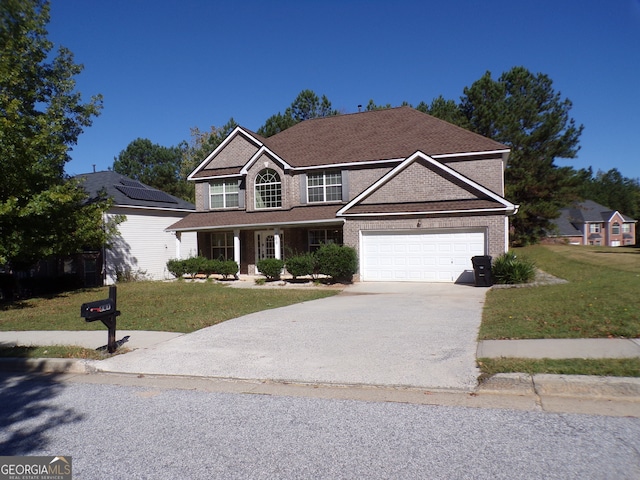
x=324 y=187
x=626 y=228
x=615 y=229
x=224 y=194
x=268 y=189
x=594 y=228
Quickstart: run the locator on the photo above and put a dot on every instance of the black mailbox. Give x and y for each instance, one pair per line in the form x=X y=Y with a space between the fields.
x=105 y=311
x=93 y=311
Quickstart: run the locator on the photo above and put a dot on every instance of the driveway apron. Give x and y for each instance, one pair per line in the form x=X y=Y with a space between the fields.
x=392 y=334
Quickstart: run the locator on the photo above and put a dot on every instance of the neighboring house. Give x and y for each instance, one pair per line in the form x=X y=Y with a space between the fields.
x=589 y=223
x=143 y=246
x=416 y=196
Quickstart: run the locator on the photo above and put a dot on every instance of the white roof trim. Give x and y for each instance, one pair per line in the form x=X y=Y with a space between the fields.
x=398 y=160
x=142 y=207
x=438 y=212
x=216 y=177
x=329 y=166
x=268 y=224
x=471 y=154
x=236 y=131
x=408 y=161
x=261 y=151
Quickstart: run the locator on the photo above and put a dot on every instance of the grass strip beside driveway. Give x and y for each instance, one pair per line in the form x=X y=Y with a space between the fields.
x=611 y=367
x=600 y=300
x=179 y=306
x=54 y=351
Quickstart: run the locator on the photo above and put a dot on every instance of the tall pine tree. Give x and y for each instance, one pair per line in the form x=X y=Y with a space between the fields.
x=523 y=111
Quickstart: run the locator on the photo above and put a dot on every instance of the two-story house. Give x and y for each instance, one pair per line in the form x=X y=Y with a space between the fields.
x=589 y=223
x=416 y=196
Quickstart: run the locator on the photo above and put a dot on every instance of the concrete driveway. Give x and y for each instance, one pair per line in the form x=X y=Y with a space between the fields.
x=392 y=334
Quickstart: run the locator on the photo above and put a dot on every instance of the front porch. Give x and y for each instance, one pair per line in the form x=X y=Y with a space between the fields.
x=248 y=245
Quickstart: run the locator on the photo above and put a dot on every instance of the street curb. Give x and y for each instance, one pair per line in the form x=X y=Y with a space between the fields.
x=563 y=385
x=522 y=384
x=583 y=386
x=47 y=365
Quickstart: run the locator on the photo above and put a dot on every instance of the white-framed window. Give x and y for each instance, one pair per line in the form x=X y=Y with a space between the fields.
x=224 y=194
x=615 y=229
x=324 y=187
x=626 y=228
x=222 y=246
x=268 y=189
x=594 y=228
x=321 y=237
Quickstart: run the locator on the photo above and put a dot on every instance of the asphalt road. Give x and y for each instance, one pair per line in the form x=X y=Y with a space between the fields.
x=127 y=432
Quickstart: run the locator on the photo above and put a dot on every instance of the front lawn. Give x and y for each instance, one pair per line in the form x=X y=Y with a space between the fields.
x=180 y=306
x=601 y=299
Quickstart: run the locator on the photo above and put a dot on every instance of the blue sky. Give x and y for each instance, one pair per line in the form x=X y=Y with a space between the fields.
x=166 y=66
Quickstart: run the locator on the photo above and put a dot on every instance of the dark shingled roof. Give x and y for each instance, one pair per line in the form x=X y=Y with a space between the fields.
x=377 y=135
x=128 y=192
x=583 y=212
x=239 y=218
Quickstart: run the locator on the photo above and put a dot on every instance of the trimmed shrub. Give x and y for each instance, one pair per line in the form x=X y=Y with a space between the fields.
x=209 y=267
x=228 y=268
x=337 y=262
x=510 y=269
x=270 y=267
x=176 y=267
x=195 y=265
x=301 y=265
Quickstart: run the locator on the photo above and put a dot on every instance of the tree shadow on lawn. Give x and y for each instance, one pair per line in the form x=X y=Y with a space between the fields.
x=27 y=410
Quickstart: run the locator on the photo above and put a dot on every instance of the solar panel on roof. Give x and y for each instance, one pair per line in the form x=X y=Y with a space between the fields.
x=131 y=183
x=148 y=194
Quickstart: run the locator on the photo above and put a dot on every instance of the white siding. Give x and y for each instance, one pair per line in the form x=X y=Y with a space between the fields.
x=143 y=247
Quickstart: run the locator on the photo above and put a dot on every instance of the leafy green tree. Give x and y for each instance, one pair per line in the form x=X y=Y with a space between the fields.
x=154 y=165
x=42 y=212
x=276 y=124
x=447 y=110
x=615 y=191
x=201 y=145
x=523 y=111
x=371 y=106
x=306 y=106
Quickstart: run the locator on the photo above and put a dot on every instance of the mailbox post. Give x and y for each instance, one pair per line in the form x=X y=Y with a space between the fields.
x=105 y=311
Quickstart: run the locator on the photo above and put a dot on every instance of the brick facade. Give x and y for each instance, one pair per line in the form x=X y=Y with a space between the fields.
x=420 y=183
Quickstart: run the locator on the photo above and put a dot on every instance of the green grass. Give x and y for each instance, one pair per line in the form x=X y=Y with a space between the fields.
x=601 y=299
x=626 y=367
x=160 y=306
x=54 y=351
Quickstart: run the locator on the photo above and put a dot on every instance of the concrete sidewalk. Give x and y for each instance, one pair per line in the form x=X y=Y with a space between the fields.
x=558 y=348
x=529 y=348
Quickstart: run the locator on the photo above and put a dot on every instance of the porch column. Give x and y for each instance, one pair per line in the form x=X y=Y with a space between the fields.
x=276 y=243
x=236 y=248
x=178 y=244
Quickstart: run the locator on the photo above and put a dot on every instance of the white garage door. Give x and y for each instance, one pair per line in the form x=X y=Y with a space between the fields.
x=420 y=257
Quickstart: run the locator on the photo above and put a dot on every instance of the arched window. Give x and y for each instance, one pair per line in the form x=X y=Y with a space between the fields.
x=268 y=189
x=615 y=229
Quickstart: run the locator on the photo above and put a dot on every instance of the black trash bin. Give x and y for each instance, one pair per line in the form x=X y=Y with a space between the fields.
x=482 y=270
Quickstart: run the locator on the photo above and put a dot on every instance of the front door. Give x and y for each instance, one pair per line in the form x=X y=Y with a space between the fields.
x=266 y=245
